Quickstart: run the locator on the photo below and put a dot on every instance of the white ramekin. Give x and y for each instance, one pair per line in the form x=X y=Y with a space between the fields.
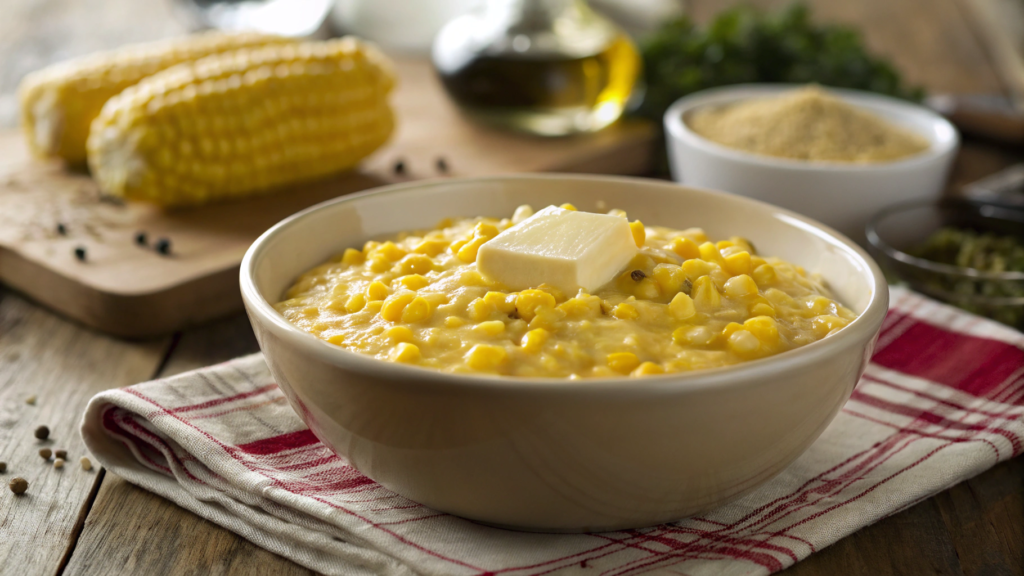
x=841 y=195
x=554 y=454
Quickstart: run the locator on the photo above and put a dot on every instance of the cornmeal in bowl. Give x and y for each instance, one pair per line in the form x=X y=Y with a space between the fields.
x=680 y=303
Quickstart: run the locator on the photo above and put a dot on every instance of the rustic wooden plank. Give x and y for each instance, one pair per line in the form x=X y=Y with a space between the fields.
x=912 y=542
x=130 y=530
x=929 y=41
x=985 y=519
x=63 y=365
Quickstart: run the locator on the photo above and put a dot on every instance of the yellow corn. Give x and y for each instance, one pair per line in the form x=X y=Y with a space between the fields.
x=639 y=233
x=623 y=362
x=58 y=103
x=405 y=353
x=241 y=122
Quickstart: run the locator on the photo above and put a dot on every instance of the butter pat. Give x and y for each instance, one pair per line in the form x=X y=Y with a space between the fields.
x=564 y=248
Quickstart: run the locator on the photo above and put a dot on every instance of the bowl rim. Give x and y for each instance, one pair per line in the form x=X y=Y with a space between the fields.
x=876 y=241
x=864 y=327
x=678 y=129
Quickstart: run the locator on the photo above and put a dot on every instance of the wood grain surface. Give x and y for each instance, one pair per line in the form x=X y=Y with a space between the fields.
x=90 y=523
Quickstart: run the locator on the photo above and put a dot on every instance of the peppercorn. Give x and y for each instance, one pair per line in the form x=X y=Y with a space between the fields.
x=62 y=229
x=442 y=165
x=42 y=433
x=687 y=286
x=45 y=453
x=61 y=454
x=86 y=464
x=18 y=485
x=3 y=467
x=80 y=253
x=163 y=246
x=58 y=463
x=400 y=167
x=637 y=275
x=140 y=238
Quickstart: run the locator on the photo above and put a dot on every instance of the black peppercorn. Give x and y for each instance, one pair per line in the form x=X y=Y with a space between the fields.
x=42 y=433
x=163 y=246
x=637 y=275
x=140 y=238
x=80 y=253
x=62 y=229
x=400 y=167
x=18 y=485
x=442 y=165
x=3 y=467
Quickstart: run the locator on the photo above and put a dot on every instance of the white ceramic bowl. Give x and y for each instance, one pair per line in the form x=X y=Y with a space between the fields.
x=551 y=454
x=842 y=195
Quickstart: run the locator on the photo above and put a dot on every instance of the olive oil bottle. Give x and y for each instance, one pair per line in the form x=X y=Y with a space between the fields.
x=547 y=67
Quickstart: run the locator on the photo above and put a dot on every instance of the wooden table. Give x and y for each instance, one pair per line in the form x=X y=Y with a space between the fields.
x=77 y=522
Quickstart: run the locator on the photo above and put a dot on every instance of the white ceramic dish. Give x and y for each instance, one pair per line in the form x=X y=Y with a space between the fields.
x=550 y=454
x=844 y=196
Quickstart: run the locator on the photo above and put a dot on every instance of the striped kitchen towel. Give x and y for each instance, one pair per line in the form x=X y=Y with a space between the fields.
x=942 y=400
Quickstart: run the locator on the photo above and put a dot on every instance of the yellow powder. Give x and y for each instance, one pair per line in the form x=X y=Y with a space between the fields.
x=806 y=124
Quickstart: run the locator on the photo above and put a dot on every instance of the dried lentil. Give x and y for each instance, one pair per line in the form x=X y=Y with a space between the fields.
x=45 y=453
x=58 y=463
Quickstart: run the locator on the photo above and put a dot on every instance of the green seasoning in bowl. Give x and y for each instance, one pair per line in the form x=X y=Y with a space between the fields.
x=984 y=252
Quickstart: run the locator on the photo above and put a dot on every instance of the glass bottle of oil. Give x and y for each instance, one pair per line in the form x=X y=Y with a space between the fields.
x=547 y=67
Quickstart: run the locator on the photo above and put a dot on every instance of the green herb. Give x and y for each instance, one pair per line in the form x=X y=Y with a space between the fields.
x=986 y=252
x=744 y=45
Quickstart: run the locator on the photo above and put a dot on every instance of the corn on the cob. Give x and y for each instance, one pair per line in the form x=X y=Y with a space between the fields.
x=245 y=121
x=58 y=103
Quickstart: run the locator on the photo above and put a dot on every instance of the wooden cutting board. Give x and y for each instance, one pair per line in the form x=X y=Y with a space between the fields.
x=132 y=291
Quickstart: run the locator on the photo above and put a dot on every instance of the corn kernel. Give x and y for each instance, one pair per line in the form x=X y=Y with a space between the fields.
x=394 y=305
x=698 y=335
x=468 y=252
x=738 y=263
x=764 y=328
x=646 y=289
x=390 y=251
x=399 y=334
x=625 y=311
x=582 y=306
x=765 y=275
x=684 y=248
x=743 y=343
x=534 y=340
x=379 y=263
x=639 y=234
x=762 y=309
x=709 y=253
x=695 y=268
x=485 y=230
x=823 y=325
x=454 y=247
x=741 y=286
x=779 y=298
x=822 y=305
x=568 y=206
x=670 y=278
x=648 y=369
x=374 y=306
x=338 y=303
x=352 y=257
x=681 y=307
x=490 y=328
x=356 y=303
x=417 y=311
x=405 y=353
x=706 y=297
x=415 y=264
x=480 y=310
x=472 y=278
x=414 y=281
x=486 y=357
x=337 y=339
x=623 y=362
x=453 y=322
x=430 y=247
x=723 y=244
x=377 y=290
x=730 y=328
x=696 y=234
x=528 y=301
x=547 y=318
x=506 y=303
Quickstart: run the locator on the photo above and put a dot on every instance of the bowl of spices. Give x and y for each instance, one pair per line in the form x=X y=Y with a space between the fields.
x=838 y=156
x=965 y=252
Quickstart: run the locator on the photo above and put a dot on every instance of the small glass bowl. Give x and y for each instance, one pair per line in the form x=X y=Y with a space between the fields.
x=898 y=229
